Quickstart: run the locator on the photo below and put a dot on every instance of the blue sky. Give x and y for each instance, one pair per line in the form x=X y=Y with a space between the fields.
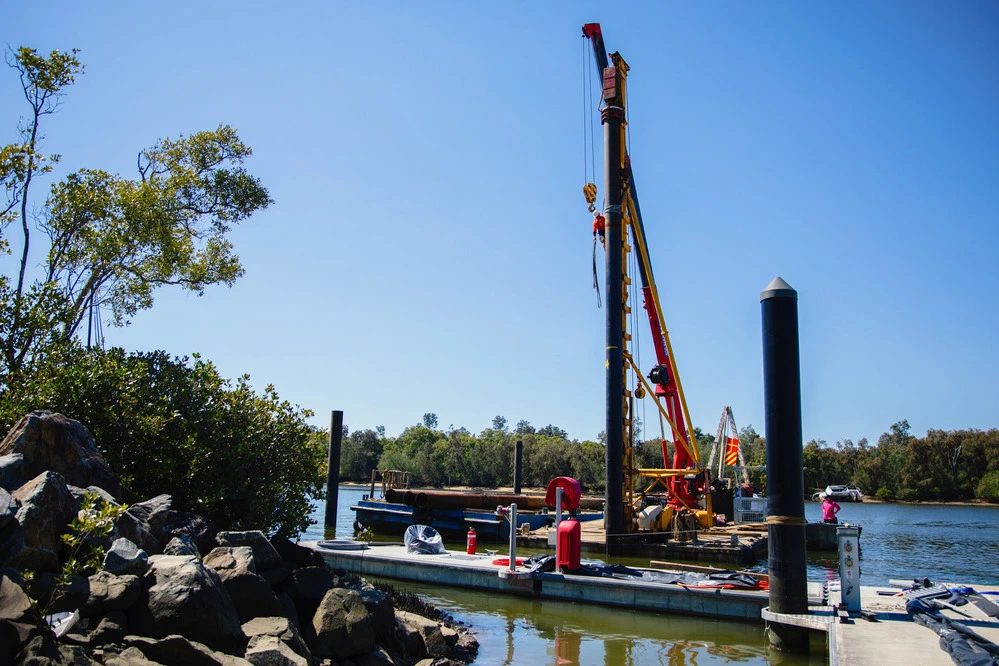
x=429 y=248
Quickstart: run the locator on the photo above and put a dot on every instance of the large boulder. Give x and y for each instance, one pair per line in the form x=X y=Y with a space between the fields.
x=153 y=512
x=342 y=626
x=128 y=657
x=53 y=442
x=43 y=650
x=278 y=628
x=182 y=596
x=125 y=558
x=108 y=593
x=295 y=555
x=181 y=545
x=380 y=607
x=433 y=638
x=173 y=650
x=11 y=471
x=14 y=602
x=264 y=554
x=132 y=527
x=250 y=592
x=13 y=636
x=111 y=628
x=200 y=530
x=8 y=509
x=270 y=651
x=307 y=586
x=47 y=507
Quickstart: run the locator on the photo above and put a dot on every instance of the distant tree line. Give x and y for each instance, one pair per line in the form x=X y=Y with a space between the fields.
x=943 y=465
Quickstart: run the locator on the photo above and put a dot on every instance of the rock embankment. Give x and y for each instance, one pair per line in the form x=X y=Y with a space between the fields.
x=172 y=589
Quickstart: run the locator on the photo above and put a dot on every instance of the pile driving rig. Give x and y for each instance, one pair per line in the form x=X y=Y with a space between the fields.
x=682 y=482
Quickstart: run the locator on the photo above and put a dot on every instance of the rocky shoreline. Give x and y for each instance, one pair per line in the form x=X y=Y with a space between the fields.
x=172 y=589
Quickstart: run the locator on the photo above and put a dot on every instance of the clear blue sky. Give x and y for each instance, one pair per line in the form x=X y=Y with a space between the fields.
x=429 y=246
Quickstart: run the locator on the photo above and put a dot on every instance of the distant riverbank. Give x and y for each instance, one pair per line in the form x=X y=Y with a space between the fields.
x=541 y=491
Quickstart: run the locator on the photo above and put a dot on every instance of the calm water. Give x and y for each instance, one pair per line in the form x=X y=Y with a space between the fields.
x=952 y=543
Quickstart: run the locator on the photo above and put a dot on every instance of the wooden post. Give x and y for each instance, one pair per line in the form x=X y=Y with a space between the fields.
x=333 y=474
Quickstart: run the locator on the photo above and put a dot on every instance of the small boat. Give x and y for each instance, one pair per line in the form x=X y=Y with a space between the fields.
x=844 y=493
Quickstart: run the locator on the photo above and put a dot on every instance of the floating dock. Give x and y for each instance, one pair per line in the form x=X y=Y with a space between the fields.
x=479 y=572
x=887 y=636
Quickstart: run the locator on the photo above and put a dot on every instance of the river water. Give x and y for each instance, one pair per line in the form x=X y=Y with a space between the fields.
x=944 y=543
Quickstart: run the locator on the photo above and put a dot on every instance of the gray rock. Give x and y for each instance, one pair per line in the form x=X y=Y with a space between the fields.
x=11 y=471
x=181 y=545
x=153 y=512
x=308 y=585
x=53 y=442
x=270 y=651
x=276 y=575
x=182 y=596
x=198 y=528
x=264 y=554
x=236 y=560
x=125 y=558
x=43 y=650
x=296 y=556
x=251 y=594
x=288 y=609
x=109 y=592
x=111 y=629
x=79 y=493
x=13 y=636
x=14 y=603
x=437 y=645
x=380 y=657
x=278 y=628
x=8 y=509
x=173 y=650
x=47 y=507
x=381 y=608
x=135 y=530
x=129 y=657
x=343 y=626
x=67 y=596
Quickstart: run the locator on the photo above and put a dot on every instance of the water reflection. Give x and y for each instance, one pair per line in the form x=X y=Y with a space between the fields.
x=526 y=630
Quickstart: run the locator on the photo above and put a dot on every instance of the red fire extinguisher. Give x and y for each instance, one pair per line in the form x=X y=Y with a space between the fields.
x=470 y=543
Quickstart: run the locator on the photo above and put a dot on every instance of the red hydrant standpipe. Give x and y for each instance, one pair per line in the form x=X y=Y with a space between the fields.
x=470 y=542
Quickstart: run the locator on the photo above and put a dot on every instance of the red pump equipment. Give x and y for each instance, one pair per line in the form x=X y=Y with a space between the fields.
x=570 y=543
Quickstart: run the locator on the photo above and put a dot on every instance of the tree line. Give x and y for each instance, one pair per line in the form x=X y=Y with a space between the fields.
x=943 y=465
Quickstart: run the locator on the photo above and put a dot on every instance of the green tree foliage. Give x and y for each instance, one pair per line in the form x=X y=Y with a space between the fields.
x=754 y=451
x=111 y=240
x=174 y=425
x=988 y=487
x=359 y=454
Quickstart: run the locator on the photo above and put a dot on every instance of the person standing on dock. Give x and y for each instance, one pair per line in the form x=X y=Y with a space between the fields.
x=829 y=510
